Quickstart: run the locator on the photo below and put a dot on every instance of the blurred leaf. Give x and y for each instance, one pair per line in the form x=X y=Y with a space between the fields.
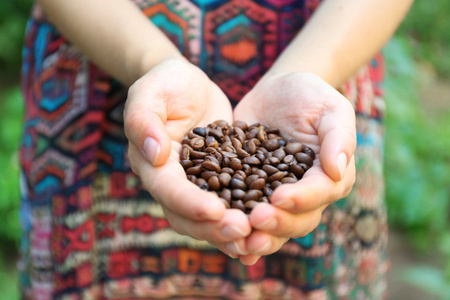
x=429 y=279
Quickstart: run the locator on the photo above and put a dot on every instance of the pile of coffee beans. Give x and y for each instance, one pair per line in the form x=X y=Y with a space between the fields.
x=242 y=164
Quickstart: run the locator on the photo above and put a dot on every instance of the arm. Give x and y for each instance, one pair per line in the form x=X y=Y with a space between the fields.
x=114 y=34
x=342 y=36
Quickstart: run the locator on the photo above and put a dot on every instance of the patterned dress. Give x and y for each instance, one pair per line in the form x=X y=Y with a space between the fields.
x=91 y=232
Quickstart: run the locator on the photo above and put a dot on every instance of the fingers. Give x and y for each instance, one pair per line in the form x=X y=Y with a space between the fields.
x=169 y=186
x=314 y=190
x=281 y=223
x=337 y=137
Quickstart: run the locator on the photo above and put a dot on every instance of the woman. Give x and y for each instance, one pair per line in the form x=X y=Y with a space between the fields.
x=91 y=228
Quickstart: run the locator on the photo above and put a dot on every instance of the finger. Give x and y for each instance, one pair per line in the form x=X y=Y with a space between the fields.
x=233 y=226
x=337 y=138
x=249 y=259
x=281 y=223
x=262 y=243
x=234 y=249
x=144 y=123
x=169 y=186
x=314 y=190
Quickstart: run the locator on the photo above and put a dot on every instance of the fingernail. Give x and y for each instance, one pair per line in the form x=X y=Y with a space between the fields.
x=233 y=247
x=151 y=149
x=342 y=163
x=231 y=232
x=284 y=202
x=263 y=248
x=268 y=224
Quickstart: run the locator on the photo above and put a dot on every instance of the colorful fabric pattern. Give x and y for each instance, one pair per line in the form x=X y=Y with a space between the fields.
x=91 y=232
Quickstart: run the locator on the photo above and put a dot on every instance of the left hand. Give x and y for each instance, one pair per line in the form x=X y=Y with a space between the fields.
x=307 y=109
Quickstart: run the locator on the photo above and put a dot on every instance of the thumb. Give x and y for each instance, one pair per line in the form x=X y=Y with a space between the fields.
x=337 y=135
x=145 y=128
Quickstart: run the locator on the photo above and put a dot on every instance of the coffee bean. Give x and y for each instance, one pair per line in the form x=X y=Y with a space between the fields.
x=236 y=164
x=287 y=180
x=211 y=166
x=269 y=169
x=210 y=141
x=280 y=154
x=297 y=170
x=237 y=194
x=197 y=143
x=214 y=183
x=270 y=145
x=249 y=205
x=186 y=164
x=242 y=163
x=304 y=158
x=293 y=148
x=225 y=178
x=238 y=205
x=251 y=160
x=276 y=177
x=199 y=131
x=238 y=184
x=257 y=184
x=310 y=152
x=252 y=195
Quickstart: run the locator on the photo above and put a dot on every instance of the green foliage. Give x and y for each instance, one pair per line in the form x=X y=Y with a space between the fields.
x=13 y=16
x=428 y=31
x=416 y=164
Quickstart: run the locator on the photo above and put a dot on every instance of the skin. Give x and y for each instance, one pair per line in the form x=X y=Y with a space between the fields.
x=341 y=37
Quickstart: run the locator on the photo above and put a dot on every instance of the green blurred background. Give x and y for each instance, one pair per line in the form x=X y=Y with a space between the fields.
x=417 y=165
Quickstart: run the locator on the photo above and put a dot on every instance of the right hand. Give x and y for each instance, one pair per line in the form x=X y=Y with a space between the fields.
x=162 y=107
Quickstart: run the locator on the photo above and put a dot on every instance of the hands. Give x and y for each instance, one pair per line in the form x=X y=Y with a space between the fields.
x=309 y=110
x=175 y=96
x=161 y=108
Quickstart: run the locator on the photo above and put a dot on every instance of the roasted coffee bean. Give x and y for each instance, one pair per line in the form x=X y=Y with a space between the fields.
x=260 y=173
x=275 y=184
x=252 y=195
x=297 y=170
x=242 y=163
x=287 y=180
x=225 y=178
x=238 y=184
x=283 y=167
x=238 y=205
x=198 y=154
x=309 y=151
x=196 y=170
x=199 y=131
x=211 y=166
x=247 y=169
x=226 y=194
x=251 y=160
x=257 y=184
x=192 y=178
x=241 y=125
x=228 y=170
x=236 y=164
x=197 y=143
x=276 y=177
x=250 y=179
x=304 y=158
x=280 y=154
x=293 y=148
x=210 y=141
x=272 y=161
x=261 y=135
x=237 y=194
x=249 y=205
x=208 y=174
x=271 y=144
x=186 y=164
x=214 y=183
